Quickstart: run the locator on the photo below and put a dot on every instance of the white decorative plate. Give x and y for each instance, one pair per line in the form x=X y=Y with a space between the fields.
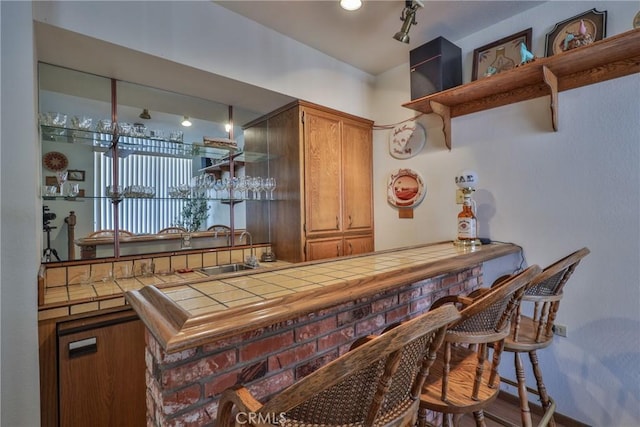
x=405 y=188
x=407 y=139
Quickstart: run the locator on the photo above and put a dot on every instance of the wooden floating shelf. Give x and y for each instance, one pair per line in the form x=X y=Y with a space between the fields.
x=610 y=58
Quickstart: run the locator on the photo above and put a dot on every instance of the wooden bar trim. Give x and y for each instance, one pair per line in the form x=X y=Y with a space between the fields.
x=161 y=316
x=176 y=330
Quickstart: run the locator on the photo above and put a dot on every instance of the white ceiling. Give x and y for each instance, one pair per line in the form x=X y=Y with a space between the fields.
x=363 y=38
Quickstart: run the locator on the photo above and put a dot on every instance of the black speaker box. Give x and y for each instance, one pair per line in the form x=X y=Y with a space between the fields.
x=435 y=66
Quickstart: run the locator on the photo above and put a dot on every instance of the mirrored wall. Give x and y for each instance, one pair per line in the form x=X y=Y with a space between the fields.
x=129 y=169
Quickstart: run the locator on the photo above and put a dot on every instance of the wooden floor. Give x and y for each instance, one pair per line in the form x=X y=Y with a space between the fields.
x=506 y=407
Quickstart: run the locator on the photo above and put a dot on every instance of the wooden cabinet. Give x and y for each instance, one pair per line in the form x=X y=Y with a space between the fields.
x=358 y=244
x=357 y=158
x=322 y=248
x=93 y=371
x=322 y=161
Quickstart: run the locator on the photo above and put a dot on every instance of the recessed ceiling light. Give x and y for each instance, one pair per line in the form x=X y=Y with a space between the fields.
x=185 y=121
x=351 y=4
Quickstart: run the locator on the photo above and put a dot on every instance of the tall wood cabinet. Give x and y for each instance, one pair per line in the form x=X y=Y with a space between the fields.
x=322 y=161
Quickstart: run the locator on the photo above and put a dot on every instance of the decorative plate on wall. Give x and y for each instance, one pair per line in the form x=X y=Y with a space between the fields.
x=405 y=188
x=55 y=161
x=407 y=139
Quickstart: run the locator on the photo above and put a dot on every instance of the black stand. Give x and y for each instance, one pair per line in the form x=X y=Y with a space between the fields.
x=46 y=255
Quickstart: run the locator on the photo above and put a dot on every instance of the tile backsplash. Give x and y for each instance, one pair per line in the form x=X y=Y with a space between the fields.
x=72 y=288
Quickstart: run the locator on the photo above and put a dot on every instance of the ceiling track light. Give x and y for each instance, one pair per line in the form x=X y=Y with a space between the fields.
x=408 y=18
x=145 y=114
x=185 y=121
x=351 y=5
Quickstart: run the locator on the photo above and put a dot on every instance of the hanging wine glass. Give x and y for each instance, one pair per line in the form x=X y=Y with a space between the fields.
x=233 y=185
x=253 y=186
x=261 y=184
x=270 y=185
x=218 y=186
x=242 y=185
x=61 y=177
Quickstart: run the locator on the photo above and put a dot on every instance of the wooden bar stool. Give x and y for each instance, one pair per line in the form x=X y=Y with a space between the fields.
x=462 y=380
x=531 y=333
x=377 y=383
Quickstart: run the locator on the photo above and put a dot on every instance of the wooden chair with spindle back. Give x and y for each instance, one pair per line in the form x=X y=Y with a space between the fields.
x=462 y=379
x=110 y=233
x=533 y=332
x=376 y=383
x=173 y=230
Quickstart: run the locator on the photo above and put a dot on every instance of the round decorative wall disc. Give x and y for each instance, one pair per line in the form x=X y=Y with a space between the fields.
x=407 y=139
x=55 y=161
x=405 y=188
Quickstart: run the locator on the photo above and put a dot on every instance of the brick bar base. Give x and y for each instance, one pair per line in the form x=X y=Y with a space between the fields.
x=183 y=388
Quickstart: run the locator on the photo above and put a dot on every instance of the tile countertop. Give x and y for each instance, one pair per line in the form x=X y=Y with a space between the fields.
x=193 y=314
x=109 y=293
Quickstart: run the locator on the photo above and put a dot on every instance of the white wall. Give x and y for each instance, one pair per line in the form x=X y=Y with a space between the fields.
x=20 y=226
x=206 y=36
x=552 y=193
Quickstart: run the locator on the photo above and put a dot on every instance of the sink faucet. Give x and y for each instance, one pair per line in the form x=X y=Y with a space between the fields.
x=215 y=236
x=251 y=260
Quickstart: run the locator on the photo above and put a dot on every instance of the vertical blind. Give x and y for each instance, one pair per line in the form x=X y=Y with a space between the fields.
x=140 y=215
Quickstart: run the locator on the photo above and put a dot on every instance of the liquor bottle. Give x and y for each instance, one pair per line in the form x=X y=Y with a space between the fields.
x=467 y=223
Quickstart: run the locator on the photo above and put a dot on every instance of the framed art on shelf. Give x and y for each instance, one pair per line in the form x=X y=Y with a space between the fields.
x=499 y=56
x=76 y=175
x=576 y=31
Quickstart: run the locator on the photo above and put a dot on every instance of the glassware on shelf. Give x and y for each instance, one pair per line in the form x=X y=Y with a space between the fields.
x=55 y=120
x=233 y=186
x=49 y=191
x=114 y=191
x=270 y=186
x=140 y=191
x=176 y=136
x=218 y=186
x=243 y=186
x=81 y=122
x=61 y=177
x=252 y=185
x=73 y=190
x=124 y=129
x=262 y=186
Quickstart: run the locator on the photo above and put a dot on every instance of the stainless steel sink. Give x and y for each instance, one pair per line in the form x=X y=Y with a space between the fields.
x=222 y=269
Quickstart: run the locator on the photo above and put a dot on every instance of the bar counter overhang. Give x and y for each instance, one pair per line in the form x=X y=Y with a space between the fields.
x=327 y=283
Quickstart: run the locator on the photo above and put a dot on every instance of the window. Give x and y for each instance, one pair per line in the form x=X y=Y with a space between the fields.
x=140 y=215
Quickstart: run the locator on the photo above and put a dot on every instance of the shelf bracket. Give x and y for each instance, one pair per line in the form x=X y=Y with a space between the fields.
x=551 y=80
x=444 y=112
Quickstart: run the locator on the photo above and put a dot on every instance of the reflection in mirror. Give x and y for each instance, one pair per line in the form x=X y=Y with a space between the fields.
x=161 y=175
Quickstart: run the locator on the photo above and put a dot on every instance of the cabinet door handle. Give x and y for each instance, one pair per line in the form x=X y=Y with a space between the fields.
x=350 y=249
x=82 y=347
x=337 y=223
x=350 y=221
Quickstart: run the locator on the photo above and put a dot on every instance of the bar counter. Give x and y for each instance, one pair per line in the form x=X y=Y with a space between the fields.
x=209 y=310
x=268 y=328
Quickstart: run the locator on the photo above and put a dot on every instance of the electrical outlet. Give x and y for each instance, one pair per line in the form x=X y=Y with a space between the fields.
x=560 y=330
x=459 y=196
